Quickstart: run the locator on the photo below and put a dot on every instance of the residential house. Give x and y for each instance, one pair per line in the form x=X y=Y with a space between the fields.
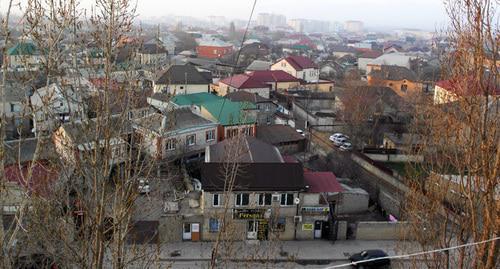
x=56 y=104
x=284 y=137
x=152 y=54
x=400 y=79
x=279 y=80
x=266 y=107
x=298 y=66
x=178 y=133
x=449 y=91
x=398 y=59
x=313 y=109
x=16 y=108
x=75 y=142
x=263 y=202
x=258 y=65
x=213 y=48
x=233 y=117
x=24 y=56
x=404 y=142
x=367 y=58
x=243 y=82
x=182 y=79
x=340 y=51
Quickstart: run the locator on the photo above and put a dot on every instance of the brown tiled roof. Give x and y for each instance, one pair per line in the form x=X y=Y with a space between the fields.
x=275 y=134
x=393 y=72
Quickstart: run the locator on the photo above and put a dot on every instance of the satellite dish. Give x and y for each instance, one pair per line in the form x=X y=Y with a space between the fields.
x=296 y=201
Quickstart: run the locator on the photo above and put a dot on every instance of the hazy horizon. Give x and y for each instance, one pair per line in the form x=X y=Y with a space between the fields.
x=424 y=14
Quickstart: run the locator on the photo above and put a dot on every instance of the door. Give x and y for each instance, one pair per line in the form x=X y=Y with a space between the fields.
x=252 y=230
x=186 y=231
x=318 y=229
x=195 y=232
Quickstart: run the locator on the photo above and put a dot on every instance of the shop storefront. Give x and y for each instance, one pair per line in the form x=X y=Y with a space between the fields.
x=257 y=223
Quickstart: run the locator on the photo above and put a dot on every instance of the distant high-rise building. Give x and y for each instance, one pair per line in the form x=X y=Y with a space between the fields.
x=309 y=26
x=271 y=20
x=354 y=26
x=217 y=21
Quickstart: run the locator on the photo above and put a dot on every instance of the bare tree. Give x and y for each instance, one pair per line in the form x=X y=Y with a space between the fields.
x=455 y=194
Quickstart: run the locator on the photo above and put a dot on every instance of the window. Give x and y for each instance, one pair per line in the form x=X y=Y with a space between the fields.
x=61 y=104
x=280 y=224
x=182 y=87
x=170 y=145
x=191 y=140
x=116 y=152
x=215 y=51
x=404 y=87
x=216 y=199
x=242 y=199
x=210 y=135
x=283 y=64
x=214 y=225
x=232 y=132
x=247 y=130
x=14 y=108
x=286 y=199
x=264 y=199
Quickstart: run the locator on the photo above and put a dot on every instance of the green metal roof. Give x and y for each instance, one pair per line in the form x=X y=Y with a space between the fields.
x=195 y=99
x=23 y=49
x=227 y=112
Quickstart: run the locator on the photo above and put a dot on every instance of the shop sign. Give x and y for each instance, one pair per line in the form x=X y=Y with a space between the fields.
x=315 y=210
x=307 y=227
x=248 y=214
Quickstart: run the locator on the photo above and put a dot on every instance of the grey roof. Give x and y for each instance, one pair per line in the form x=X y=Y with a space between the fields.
x=244 y=96
x=152 y=49
x=161 y=97
x=393 y=72
x=96 y=129
x=245 y=149
x=183 y=74
x=178 y=119
x=275 y=134
x=259 y=65
x=20 y=151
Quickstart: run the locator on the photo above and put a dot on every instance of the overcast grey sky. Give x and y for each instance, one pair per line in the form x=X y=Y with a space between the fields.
x=423 y=14
x=427 y=14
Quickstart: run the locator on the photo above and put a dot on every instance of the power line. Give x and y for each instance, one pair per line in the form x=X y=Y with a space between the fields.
x=239 y=53
x=395 y=257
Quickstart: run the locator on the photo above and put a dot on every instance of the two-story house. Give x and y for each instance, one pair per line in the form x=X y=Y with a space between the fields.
x=76 y=142
x=298 y=66
x=56 y=104
x=24 y=56
x=262 y=200
x=266 y=107
x=178 y=133
x=233 y=117
x=183 y=79
x=400 y=79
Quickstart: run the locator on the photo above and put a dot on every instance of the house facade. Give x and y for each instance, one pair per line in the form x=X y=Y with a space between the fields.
x=181 y=133
x=24 y=56
x=182 y=79
x=298 y=66
x=54 y=105
x=400 y=79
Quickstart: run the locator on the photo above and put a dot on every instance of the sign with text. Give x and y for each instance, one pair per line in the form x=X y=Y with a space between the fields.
x=315 y=210
x=248 y=213
x=307 y=227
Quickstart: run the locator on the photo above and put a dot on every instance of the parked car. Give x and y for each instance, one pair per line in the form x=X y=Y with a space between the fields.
x=346 y=146
x=358 y=258
x=301 y=132
x=336 y=136
x=340 y=141
x=143 y=186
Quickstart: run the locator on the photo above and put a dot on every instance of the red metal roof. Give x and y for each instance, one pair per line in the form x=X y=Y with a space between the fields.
x=371 y=54
x=243 y=81
x=322 y=182
x=300 y=62
x=273 y=76
x=462 y=87
x=42 y=175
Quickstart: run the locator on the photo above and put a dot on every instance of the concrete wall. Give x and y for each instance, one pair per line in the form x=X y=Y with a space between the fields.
x=396 y=158
x=181 y=88
x=375 y=230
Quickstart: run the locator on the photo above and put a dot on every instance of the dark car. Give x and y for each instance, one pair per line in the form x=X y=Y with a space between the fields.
x=378 y=254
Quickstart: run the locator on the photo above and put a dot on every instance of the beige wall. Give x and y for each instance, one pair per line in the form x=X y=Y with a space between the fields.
x=181 y=88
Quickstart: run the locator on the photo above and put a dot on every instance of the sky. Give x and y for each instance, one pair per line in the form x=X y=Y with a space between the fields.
x=421 y=14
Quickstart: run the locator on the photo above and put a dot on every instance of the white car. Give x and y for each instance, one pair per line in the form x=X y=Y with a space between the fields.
x=143 y=186
x=300 y=132
x=340 y=141
x=346 y=146
x=336 y=136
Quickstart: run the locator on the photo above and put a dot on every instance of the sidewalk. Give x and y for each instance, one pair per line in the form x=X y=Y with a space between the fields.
x=279 y=251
